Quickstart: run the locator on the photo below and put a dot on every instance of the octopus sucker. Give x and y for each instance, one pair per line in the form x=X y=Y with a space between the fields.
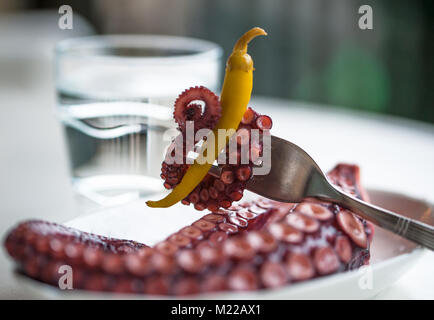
x=249 y=246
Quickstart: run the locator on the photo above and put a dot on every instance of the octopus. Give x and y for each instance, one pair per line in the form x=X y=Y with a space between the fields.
x=253 y=245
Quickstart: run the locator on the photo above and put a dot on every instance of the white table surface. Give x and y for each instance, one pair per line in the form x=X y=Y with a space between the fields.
x=394 y=154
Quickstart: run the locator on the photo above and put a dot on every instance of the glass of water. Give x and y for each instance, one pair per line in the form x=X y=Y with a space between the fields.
x=115 y=101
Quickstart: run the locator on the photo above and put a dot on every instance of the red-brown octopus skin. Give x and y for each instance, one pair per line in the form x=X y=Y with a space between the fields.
x=255 y=245
x=213 y=193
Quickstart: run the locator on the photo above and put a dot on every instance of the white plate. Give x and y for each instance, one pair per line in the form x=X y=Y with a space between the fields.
x=391 y=256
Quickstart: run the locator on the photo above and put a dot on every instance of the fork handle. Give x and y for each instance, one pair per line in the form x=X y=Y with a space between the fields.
x=416 y=231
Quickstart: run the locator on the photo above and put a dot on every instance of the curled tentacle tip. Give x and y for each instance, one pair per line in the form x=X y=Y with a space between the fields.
x=260 y=31
x=157 y=204
x=186 y=110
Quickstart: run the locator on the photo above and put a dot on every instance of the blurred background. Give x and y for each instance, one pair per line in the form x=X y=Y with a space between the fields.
x=315 y=51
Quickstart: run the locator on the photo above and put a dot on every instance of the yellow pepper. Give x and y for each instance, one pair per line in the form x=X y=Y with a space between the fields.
x=235 y=95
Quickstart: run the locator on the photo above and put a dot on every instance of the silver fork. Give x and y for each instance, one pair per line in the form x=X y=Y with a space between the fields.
x=294 y=176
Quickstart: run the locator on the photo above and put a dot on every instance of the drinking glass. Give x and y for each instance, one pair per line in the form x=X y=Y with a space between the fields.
x=115 y=101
